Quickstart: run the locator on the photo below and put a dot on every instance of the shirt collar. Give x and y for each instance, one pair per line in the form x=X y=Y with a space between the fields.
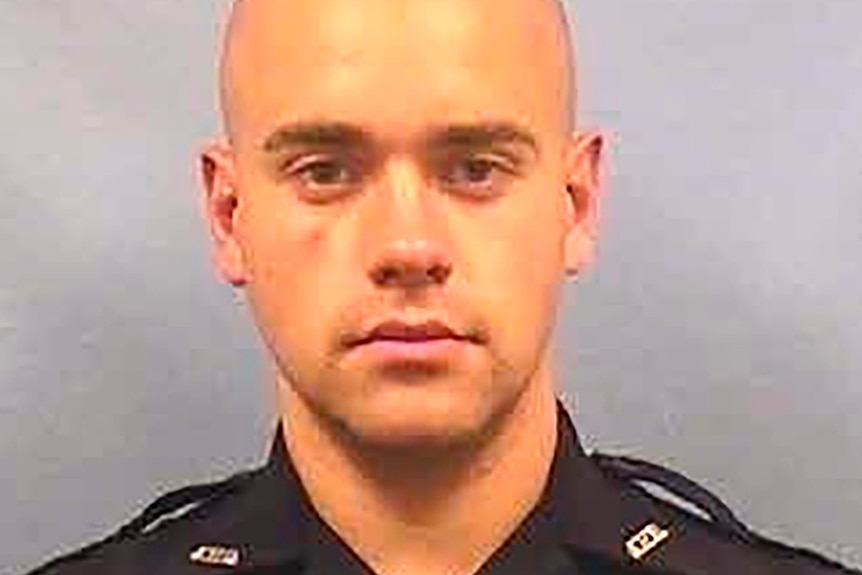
x=597 y=514
x=587 y=511
x=265 y=520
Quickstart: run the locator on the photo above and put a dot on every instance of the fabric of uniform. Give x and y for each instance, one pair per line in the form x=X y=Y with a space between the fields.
x=591 y=507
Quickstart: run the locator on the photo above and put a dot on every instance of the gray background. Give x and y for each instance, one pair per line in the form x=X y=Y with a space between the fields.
x=719 y=332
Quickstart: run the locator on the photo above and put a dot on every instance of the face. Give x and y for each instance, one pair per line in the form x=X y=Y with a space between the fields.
x=401 y=198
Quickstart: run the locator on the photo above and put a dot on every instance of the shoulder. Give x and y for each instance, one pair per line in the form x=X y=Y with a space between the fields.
x=162 y=538
x=687 y=529
x=613 y=524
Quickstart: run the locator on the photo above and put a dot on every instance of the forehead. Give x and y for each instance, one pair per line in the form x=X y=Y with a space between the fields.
x=394 y=64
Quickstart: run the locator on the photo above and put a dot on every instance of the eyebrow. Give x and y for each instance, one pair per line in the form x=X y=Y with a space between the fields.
x=344 y=135
x=483 y=135
x=323 y=134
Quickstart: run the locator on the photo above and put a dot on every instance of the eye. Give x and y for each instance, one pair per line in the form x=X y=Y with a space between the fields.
x=324 y=172
x=475 y=172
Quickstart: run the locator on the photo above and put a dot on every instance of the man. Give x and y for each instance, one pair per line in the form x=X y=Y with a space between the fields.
x=400 y=192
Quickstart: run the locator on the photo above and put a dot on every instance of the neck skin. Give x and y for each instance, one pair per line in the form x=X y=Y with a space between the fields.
x=447 y=517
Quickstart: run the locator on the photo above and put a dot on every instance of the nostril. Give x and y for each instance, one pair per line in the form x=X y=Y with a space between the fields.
x=410 y=262
x=439 y=273
x=410 y=274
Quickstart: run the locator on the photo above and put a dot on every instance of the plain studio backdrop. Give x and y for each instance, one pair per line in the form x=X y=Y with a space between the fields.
x=718 y=334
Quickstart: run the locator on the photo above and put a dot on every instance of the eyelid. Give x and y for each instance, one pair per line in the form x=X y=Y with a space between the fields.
x=296 y=163
x=500 y=157
x=508 y=163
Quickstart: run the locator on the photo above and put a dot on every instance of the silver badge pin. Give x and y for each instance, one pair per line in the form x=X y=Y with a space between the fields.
x=646 y=540
x=215 y=555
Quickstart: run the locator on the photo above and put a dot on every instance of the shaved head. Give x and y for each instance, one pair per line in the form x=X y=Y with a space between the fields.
x=403 y=158
x=543 y=22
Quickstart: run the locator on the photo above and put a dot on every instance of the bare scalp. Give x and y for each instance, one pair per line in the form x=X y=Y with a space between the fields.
x=252 y=27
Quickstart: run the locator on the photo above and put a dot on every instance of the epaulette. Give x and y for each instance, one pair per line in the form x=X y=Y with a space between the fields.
x=168 y=507
x=709 y=506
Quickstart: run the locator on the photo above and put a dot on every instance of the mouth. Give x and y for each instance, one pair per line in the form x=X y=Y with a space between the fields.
x=397 y=331
x=408 y=342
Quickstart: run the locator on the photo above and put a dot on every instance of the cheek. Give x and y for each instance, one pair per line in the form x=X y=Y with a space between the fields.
x=283 y=246
x=285 y=253
x=530 y=238
x=520 y=259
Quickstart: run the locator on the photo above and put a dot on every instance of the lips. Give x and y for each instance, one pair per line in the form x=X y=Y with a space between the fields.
x=401 y=331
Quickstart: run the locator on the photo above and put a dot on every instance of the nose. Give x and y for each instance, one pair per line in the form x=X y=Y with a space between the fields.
x=410 y=264
x=410 y=251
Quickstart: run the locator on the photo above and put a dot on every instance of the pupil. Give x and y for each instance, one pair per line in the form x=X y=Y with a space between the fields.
x=476 y=171
x=327 y=173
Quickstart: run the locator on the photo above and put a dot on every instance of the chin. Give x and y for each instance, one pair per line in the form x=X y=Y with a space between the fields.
x=426 y=418
x=424 y=430
x=447 y=409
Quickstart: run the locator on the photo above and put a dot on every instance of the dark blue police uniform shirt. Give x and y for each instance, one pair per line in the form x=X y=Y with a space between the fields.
x=594 y=517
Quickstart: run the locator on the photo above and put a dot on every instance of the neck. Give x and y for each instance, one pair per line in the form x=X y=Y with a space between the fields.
x=440 y=512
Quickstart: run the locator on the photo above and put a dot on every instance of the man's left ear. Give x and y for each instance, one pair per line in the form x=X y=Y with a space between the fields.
x=583 y=188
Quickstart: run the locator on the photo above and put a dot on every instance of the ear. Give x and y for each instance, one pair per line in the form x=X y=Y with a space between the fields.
x=220 y=206
x=583 y=187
